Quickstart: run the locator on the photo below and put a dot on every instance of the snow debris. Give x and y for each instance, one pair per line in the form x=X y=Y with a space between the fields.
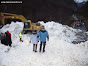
x=59 y=49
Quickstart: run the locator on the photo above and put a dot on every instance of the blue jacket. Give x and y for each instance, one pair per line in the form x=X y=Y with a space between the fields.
x=43 y=35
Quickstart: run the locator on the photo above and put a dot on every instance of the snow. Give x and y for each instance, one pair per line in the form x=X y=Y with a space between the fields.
x=61 y=31
x=80 y=1
x=59 y=49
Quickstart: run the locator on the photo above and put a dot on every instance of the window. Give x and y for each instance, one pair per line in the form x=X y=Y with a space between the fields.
x=27 y=25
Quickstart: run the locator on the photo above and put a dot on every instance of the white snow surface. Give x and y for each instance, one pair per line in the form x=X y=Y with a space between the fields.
x=61 y=31
x=59 y=49
x=80 y=1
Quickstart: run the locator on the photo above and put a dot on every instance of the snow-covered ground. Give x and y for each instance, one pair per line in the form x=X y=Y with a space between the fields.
x=59 y=49
x=80 y=1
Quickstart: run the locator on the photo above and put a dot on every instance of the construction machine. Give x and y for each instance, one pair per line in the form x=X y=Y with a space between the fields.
x=7 y=18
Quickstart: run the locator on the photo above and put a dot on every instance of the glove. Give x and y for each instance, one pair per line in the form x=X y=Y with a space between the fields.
x=38 y=41
x=29 y=41
x=48 y=39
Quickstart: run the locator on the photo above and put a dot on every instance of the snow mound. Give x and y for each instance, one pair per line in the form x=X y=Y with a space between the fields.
x=14 y=28
x=63 y=32
x=58 y=51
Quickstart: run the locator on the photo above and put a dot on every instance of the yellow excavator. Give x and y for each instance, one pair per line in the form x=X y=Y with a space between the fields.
x=7 y=18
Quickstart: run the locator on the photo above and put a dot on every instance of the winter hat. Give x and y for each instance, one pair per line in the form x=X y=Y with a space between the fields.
x=43 y=27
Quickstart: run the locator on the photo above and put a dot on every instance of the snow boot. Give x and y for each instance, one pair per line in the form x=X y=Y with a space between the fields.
x=43 y=50
x=21 y=40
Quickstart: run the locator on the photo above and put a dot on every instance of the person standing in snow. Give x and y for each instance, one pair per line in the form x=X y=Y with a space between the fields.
x=8 y=39
x=20 y=35
x=3 y=38
x=43 y=34
x=9 y=33
x=34 y=40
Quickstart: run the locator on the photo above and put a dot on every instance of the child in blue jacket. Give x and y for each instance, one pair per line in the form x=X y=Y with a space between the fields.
x=43 y=34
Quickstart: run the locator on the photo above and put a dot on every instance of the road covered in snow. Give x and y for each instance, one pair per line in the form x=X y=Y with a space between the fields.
x=60 y=51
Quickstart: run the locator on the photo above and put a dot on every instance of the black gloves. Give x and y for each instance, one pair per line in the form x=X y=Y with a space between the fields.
x=29 y=41
x=47 y=38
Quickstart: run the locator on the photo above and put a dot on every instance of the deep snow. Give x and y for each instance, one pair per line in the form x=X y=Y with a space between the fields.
x=59 y=49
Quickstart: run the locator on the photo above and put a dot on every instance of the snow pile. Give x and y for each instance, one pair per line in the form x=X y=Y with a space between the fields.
x=58 y=52
x=80 y=1
x=61 y=31
x=14 y=28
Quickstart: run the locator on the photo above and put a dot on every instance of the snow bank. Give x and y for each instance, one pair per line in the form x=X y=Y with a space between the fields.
x=61 y=31
x=58 y=51
x=14 y=28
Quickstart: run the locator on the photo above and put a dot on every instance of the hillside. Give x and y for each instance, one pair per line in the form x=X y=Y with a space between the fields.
x=42 y=10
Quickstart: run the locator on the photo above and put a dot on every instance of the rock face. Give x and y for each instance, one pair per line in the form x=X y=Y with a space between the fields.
x=83 y=13
x=84 y=9
x=46 y=10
